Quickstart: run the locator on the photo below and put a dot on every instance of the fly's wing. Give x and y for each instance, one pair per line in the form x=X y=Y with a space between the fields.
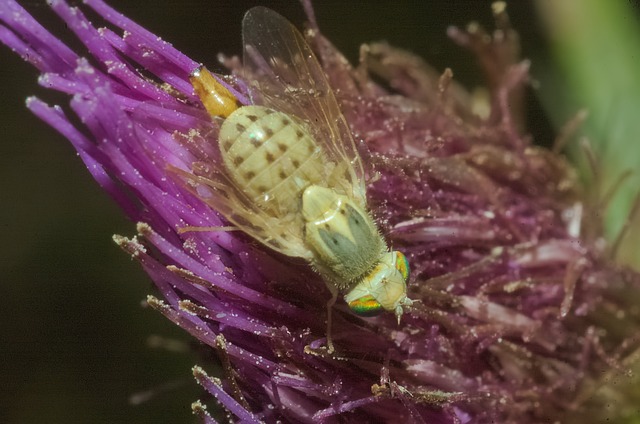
x=285 y=75
x=205 y=177
x=282 y=234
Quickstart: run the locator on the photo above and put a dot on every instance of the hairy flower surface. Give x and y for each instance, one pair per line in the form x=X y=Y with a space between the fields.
x=520 y=316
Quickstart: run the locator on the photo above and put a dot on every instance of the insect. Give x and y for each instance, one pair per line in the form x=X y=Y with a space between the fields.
x=292 y=177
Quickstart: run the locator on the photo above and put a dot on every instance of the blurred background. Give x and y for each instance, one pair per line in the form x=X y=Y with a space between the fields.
x=75 y=342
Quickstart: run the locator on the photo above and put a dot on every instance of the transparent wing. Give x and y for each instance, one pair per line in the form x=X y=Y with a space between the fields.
x=283 y=234
x=207 y=179
x=285 y=75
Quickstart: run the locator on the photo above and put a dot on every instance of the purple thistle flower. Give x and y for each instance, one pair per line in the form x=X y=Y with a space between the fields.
x=520 y=315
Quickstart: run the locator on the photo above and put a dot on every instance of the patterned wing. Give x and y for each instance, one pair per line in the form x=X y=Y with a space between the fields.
x=285 y=75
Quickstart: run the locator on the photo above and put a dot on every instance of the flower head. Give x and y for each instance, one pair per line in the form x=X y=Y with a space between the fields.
x=517 y=314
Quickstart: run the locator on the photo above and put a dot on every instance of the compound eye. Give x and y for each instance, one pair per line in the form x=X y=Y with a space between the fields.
x=366 y=306
x=402 y=265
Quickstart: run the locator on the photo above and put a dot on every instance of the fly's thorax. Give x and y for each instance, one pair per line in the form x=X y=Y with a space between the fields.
x=384 y=288
x=271 y=157
x=343 y=237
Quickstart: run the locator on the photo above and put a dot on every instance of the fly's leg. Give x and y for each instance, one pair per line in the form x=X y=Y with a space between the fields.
x=330 y=303
x=193 y=229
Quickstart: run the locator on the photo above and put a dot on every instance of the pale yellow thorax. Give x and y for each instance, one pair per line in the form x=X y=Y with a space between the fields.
x=343 y=237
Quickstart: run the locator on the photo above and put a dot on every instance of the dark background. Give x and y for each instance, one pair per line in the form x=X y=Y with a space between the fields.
x=73 y=334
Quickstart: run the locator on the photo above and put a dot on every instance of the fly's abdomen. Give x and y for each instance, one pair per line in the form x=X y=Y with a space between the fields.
x=271 y=157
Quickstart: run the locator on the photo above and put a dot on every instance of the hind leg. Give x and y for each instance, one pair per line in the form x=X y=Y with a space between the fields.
x=330 y=303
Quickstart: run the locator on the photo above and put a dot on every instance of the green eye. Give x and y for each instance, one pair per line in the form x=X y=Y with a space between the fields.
x=402 y=265
x=366 y=306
